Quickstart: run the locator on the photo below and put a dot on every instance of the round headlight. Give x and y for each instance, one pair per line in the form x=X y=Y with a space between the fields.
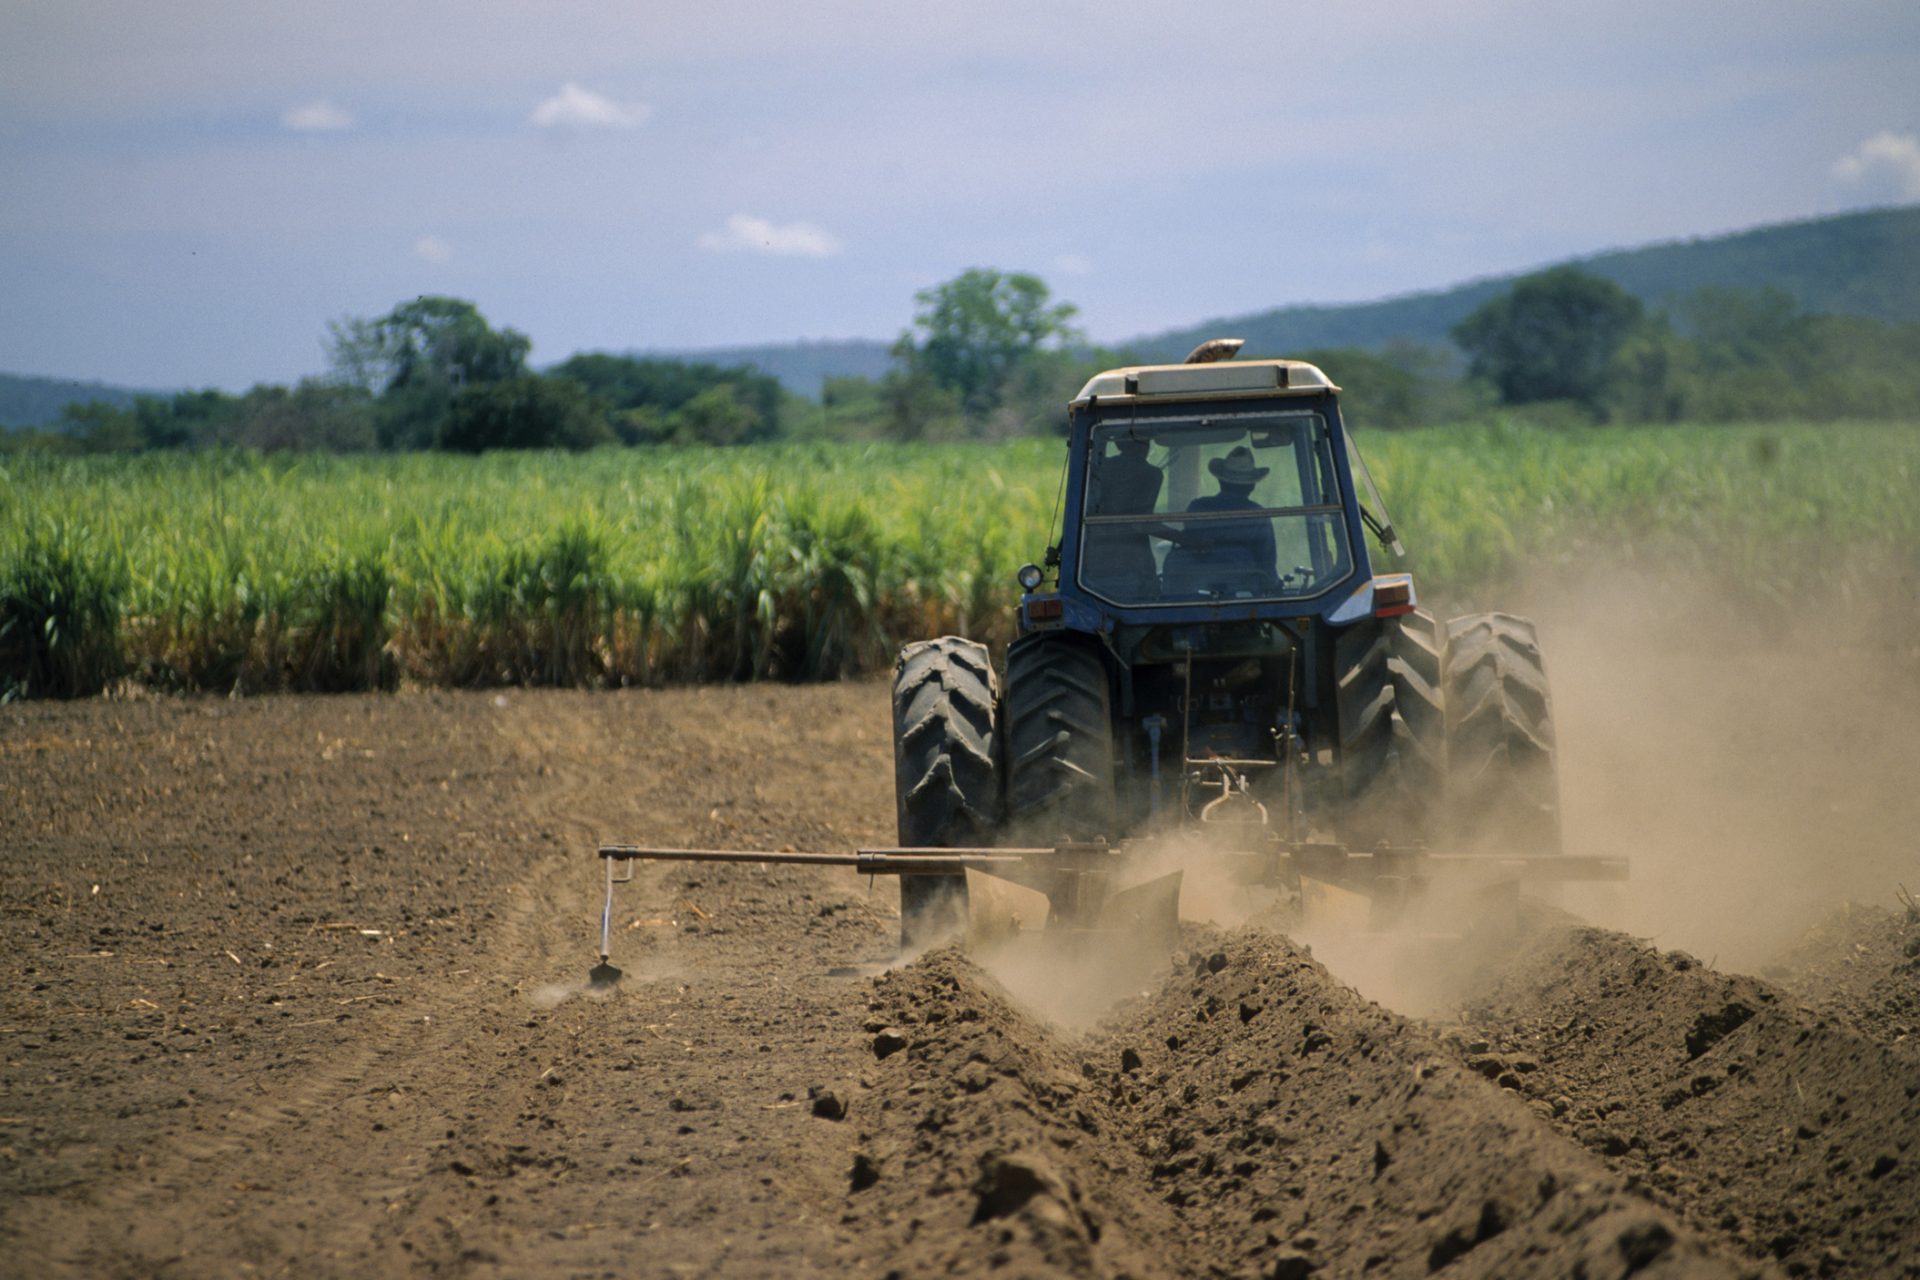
x=1029 y=577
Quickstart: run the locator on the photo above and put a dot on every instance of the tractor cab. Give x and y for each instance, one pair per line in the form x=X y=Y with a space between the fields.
x=1205 y=492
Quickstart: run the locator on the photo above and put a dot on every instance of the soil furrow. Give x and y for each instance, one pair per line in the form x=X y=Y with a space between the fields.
x=1251 y=1117
x=1776 y=1126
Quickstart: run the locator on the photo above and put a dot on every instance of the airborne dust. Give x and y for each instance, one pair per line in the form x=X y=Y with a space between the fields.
x=1755 y=765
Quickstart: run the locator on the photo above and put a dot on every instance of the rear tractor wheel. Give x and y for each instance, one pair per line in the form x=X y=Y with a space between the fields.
x=946 y=772
x=1059 y=726
x=1392 y=730
x=1503 y=788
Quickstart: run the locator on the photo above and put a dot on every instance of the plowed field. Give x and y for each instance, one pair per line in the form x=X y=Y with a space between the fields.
x=291 y=986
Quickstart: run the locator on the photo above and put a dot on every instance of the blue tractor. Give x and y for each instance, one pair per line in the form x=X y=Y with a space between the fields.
x=1208 y=640
x=1208 y=647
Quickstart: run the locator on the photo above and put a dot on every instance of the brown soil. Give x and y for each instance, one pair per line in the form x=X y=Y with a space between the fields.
x=293 y=986
x=1861 y=964
x=1783 y=1129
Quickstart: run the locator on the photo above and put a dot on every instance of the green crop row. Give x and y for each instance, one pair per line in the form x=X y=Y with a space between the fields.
x=232 y=572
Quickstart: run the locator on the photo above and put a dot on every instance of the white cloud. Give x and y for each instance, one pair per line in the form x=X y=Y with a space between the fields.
x=1886 y=160
x=319 y=116
x=1073 y=264
x=747 y=234
x=577 y=108
x=433 y=249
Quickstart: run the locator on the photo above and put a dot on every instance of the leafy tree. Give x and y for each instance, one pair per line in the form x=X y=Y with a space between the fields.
x=1740 y=355
x=1649 y=375
x=418 y=357
x=100 y=427
x=916 y=404
x=1405 y=384
x=718 y=416
x=1552 y=337
x=433 y=339
x=526 y=412
x=663 y=388
x=1741 y=328
x=187 y=420
x=357 y=351
x=643 y=424
x=314 y=414
x=1374 y=392
x=971 y=333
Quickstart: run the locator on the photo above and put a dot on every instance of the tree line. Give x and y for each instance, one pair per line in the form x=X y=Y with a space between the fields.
x=1567 y=339
x=992 y=355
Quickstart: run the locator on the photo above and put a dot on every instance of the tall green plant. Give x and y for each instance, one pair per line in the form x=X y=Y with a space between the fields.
x=61 y=598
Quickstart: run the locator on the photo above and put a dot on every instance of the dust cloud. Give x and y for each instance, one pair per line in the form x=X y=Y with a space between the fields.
x=1757 y=765
x=1425 y=962
x=1074 y=979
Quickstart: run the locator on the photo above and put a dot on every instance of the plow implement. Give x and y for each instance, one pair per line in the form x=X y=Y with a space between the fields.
x=1126 y=890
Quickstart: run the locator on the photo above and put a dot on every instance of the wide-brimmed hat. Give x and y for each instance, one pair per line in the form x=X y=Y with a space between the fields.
x=1237 y=467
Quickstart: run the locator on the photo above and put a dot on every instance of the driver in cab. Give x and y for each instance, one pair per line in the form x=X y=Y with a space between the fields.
x=1241 y=552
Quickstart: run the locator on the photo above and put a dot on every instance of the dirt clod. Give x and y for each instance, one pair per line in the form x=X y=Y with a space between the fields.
x=1009 y=1183
x=1290 y=1264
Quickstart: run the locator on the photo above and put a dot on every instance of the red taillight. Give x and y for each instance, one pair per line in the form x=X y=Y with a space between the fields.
x=1393 y=595
x=1043 y=608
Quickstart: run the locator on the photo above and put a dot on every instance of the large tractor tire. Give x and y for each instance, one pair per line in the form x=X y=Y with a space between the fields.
x=946 y=772
x=1059 y=727
x=1393 y=751
x=1503 y=789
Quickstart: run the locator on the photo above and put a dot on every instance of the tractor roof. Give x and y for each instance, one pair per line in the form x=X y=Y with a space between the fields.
x=1191 y=381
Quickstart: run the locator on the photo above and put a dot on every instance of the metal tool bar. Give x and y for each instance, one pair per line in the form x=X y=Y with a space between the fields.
x=901 y=860
x=930 y=862
x=1369 y=862
x=1010 y=854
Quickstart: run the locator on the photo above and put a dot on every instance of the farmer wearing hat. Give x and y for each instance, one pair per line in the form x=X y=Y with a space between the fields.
x=1239 y=554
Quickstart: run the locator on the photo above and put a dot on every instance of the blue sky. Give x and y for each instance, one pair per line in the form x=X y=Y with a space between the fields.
x=192 y=189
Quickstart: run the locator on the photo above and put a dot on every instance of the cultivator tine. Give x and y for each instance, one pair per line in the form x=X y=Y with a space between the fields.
x=604 y=976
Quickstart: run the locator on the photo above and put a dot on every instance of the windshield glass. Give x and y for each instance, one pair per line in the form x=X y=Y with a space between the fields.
x=1233 y=507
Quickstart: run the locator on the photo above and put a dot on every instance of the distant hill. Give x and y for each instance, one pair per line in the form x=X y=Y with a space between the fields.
x=1865 y=264
x=28 y=401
